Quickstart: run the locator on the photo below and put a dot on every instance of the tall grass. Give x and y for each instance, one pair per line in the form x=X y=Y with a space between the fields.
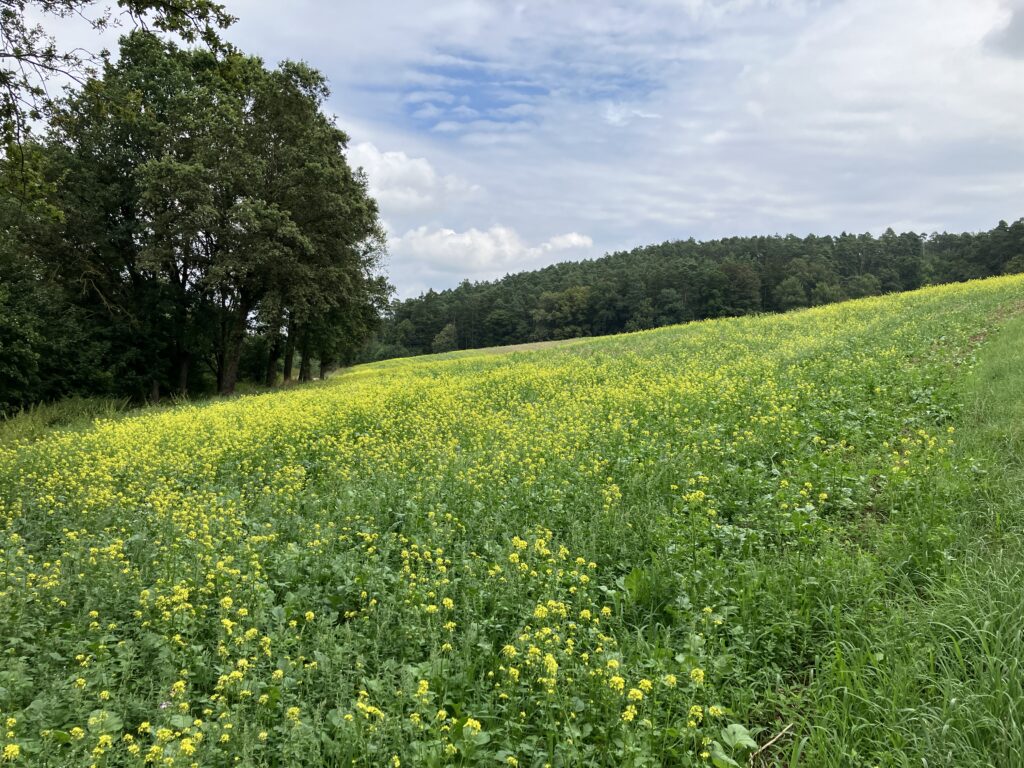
x=936 y=678
x=41 y=419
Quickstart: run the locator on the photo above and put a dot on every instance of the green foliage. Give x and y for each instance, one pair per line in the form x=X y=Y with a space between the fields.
x=76 y=413
x=790 y=294
x=775 y=540
x=30 y=56
x=183 y=202
x=679 y=281
x=446 y=339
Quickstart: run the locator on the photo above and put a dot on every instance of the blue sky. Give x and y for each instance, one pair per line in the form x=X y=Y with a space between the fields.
x=502 y=136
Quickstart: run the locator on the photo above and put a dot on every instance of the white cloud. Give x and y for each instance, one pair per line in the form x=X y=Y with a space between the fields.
x=403 y=184
x=480 y=254
x=419 y=96
x=428 y=111
x=636 y=121
x=619 y=114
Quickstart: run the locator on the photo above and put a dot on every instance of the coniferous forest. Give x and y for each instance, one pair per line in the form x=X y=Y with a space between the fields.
x=680 y=281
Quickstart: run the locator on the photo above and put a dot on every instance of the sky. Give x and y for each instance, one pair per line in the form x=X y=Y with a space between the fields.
x=504 y=136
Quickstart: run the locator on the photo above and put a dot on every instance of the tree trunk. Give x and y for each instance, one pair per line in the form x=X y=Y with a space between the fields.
x=324 y=367
x=154 y=392
x=305 y=366
x=233 y=351
x=270 y=378
x=289 y=356
x=184 y=362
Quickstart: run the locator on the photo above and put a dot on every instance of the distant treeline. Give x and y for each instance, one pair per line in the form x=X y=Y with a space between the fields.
x=676 y=282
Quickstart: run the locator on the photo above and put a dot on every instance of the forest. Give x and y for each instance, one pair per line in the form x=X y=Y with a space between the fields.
x=685 y=280
x=183 y=220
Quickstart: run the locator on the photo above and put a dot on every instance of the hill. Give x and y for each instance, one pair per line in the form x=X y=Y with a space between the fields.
x=685 y=280
x=792 y=535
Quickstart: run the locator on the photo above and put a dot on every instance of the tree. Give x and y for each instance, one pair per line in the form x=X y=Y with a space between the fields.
x=790 y=294
x=446 y=339
x=826 y=293
x=210 y=198
x=30 y=56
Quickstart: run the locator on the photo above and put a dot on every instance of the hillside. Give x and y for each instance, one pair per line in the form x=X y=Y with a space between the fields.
x=684 y=280
x=795 y=535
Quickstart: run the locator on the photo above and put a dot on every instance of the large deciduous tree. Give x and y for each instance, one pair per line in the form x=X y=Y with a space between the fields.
x=30 y=56
x=207 y=198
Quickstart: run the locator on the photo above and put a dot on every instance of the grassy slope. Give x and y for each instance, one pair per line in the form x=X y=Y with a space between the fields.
x=937 y=680
x=885 y=629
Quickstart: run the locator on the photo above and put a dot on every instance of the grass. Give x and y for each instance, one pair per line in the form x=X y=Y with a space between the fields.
x=662 y=548
x=73 y=413
x=938 y=680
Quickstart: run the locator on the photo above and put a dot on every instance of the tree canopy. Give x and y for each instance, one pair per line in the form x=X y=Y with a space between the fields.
x=186 y=204
x=30 y=56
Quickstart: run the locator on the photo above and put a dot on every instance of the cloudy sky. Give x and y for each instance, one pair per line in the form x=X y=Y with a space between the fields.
x=501 y=136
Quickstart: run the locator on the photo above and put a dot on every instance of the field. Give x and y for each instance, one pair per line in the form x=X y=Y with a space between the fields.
x=784 y=540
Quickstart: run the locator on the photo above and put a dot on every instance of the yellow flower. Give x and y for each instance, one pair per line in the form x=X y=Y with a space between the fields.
x=310 y=616
x=669 y=680
x=11 y=751
x=395 y=762
x=635 y=694
x=471 y=726
x=697 y=675
x=550 y=665
x=629 y=713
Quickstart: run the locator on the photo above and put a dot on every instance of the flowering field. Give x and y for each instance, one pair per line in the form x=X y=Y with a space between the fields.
x=630 y=551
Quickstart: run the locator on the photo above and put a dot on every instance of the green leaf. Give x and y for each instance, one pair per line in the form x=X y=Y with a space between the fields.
x=481 y=738
x=735 y=735
x=718 y=757
x=102 y=721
